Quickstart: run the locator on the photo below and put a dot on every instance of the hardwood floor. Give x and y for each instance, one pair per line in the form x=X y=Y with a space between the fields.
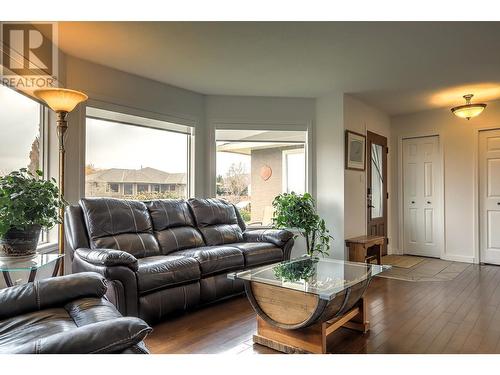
x=459 y=316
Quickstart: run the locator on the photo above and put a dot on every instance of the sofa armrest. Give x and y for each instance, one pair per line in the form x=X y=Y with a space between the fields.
x=122 y=282
x=278 y=237
x=106 y=337
x=46 y=293
x=108 y=258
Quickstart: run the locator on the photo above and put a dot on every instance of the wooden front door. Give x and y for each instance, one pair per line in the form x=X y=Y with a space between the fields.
x=376 y=198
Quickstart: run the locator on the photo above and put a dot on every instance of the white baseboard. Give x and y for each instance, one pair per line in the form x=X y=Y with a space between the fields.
x=392 y=251
x=450 y=257
x=459 y=258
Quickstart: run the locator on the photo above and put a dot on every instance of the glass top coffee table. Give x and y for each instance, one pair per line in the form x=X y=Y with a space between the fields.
x=30 y=263
x=301 y=301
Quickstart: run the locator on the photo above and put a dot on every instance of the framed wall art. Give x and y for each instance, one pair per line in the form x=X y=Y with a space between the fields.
x=355 y=151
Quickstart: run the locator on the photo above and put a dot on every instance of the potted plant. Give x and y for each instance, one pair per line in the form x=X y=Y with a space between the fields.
x=27 y=204
x=294 y=211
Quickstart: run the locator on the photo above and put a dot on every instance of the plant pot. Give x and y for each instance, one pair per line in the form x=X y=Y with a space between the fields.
x=17 y=242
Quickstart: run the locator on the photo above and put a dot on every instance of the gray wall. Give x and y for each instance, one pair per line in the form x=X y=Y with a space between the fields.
x=459 y=145
x=360 y=118
x=329 y=167
x=115 y=90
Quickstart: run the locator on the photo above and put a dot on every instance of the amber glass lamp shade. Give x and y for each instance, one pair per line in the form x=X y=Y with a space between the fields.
x=468 y=110
x=60 y=100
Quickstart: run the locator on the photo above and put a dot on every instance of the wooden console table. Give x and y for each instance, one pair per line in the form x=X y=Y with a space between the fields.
x=365 y=248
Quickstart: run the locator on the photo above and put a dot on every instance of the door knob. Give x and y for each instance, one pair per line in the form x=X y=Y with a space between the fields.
x=412 y=202
x=428 y=202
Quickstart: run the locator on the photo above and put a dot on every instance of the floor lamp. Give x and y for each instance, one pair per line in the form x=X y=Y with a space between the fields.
x=62 y=102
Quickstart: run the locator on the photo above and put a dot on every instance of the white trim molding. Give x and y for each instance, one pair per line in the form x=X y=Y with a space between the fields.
x=459 y=258
x=239 y=124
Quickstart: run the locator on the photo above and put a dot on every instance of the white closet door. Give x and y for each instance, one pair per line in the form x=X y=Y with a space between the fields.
x=489 y=195
x=422 y=198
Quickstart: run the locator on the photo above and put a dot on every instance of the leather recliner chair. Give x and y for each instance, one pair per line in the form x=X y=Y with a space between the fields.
x=66 y=314
x=165 y=256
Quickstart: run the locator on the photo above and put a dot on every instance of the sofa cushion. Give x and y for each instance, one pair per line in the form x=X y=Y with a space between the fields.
x=106 y=337
x=222 y=234
x=215 y=259
x=120 y=224
x=165 y=271
x=169 y=213
x=48 y=293
x=173 y=239
x=35 y=325
x=174 y=225
x=22 y=329
x=256 y=253
x=217 y=221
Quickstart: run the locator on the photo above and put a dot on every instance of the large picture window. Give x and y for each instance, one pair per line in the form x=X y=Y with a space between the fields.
x=21 y=128
x=254 y=166
x=132 y=157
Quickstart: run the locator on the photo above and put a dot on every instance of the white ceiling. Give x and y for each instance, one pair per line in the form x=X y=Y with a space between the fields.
x=398 y=67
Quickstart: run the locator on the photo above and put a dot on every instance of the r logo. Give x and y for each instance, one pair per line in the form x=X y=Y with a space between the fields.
x=27 y=49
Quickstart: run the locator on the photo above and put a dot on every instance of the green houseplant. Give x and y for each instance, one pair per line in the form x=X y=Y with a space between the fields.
x=294 y=211
x=27 y=204
x=302 y=269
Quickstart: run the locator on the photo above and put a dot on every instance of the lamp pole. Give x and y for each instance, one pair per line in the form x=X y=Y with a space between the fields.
x=61 y=101
x=62 y=126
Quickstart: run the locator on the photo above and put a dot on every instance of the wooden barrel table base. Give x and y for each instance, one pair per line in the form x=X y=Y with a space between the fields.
x=292 y=321
x=301 y=302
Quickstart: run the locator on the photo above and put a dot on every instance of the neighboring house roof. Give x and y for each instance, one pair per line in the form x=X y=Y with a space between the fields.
x=141 y=176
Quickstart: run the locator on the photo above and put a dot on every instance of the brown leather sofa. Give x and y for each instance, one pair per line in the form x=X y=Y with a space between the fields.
x=66 y=314
x=165 y=256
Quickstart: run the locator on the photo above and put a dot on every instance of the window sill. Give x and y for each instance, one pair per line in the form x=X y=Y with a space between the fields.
x=47 y=248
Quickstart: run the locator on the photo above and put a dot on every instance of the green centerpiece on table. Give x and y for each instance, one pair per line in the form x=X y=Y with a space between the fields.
x=301 y=270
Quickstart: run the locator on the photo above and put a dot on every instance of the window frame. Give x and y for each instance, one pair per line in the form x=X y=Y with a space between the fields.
x=284 y=168
x=142 y=188
x=128 y=184
x=109 y=187
x=43 y=142
x=222 y=125
x=120 y=115
x=47 y=234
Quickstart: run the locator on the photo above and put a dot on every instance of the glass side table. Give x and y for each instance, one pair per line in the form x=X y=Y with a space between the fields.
x=31 y=263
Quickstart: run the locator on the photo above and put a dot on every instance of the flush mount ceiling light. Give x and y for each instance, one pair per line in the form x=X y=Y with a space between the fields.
x=469 y=109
